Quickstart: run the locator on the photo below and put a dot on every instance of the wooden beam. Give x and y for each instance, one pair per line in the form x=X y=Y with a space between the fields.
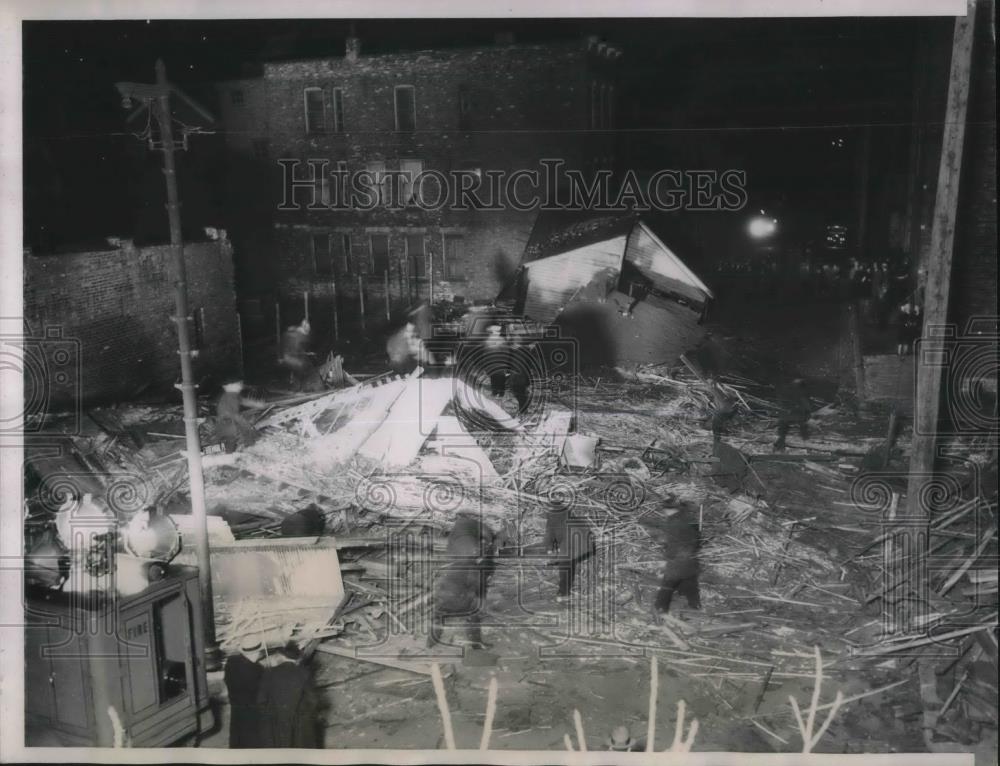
x=928 y=391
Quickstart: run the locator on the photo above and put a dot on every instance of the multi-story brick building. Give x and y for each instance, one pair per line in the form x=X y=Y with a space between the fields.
x=495 y=109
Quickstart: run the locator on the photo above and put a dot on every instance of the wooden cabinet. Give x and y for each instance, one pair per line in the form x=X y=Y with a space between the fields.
x=142 y=655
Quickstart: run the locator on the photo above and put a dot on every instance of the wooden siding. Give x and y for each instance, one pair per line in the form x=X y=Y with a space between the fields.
x=660 y=264
x=553 y=282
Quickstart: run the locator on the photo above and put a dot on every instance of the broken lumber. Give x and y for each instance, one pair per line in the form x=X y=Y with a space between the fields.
x=397 y=663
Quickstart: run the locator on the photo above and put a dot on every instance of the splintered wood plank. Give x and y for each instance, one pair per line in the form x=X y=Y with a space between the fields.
x=460 y=452
x=422 y=668
x=398 y=439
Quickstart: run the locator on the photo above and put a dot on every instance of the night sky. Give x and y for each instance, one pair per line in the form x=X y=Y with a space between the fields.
x=772 y=94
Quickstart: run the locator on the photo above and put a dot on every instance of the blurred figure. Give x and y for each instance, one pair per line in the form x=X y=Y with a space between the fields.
x=231 y=425
x=795 y=409
x=496 y=359
x=724 y=408
x=910 y=326
x=295 y=356
x=403 y=349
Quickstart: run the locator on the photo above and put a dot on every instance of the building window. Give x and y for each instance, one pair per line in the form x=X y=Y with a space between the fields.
x=406 y=109
x=380 y=254
x=341 y=247
x=321 y=194
x=322 y=257
x=236 y=97
x=261 y=148
x=315 y=110
x=453 y=257
x=337 y=98
x=410 y=170
x=416 y=256
x=379 y=179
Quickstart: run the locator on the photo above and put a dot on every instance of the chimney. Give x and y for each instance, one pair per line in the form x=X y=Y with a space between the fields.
x=352 y=48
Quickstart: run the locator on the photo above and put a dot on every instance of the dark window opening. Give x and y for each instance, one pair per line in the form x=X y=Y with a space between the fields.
x=322 y=258
x=342 y=254
x=380 y=254
x=453 y=257
x=261 y=148
x=416 y=255
x=315 y=110
x=236 y=97
x=406 y=116
x=338 y=110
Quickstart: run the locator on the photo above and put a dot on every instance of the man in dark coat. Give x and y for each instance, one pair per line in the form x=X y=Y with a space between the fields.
x=295 y=356
x=288 y=706
x=242 y=676
x=793 y=400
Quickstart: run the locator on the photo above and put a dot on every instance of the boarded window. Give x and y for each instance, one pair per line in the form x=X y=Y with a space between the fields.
x=416 y=255
x=406 y=114
x=315 y=110
x=337 y=98
x=341 y=246
x=453 y=257
x=322 y=258
x=380 y=254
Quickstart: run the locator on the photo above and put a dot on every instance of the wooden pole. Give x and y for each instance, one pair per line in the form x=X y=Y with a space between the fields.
x=196 y=481
x=386 y=281
x=361 y=299
x=928 y=389
x=305 y=299
x=336 y=322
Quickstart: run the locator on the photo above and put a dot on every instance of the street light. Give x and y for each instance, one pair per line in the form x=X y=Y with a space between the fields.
x=156 y=98
x=762 y=226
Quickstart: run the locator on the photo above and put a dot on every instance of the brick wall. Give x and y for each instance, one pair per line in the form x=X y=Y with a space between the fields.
x=523 y=103
x=114 y=309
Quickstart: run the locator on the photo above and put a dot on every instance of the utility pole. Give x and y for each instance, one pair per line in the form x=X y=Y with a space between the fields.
x=928 y=385
x=158 y=101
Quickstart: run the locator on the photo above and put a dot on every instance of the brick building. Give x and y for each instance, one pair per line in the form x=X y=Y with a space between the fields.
x=493 y=108
x=98 y=327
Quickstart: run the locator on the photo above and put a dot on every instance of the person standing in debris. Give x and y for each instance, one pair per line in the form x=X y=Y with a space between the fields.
x=295 y=356
x=724 y=408
x=793 y=400
x=519 y=378
x=232 y=426
x=242 y=675
x=496 y=359
x=289 y=709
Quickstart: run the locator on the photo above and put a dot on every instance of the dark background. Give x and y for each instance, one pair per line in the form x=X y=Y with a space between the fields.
x=783 y=99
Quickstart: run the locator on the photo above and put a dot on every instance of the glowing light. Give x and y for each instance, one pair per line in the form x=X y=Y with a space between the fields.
x=761 y=227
